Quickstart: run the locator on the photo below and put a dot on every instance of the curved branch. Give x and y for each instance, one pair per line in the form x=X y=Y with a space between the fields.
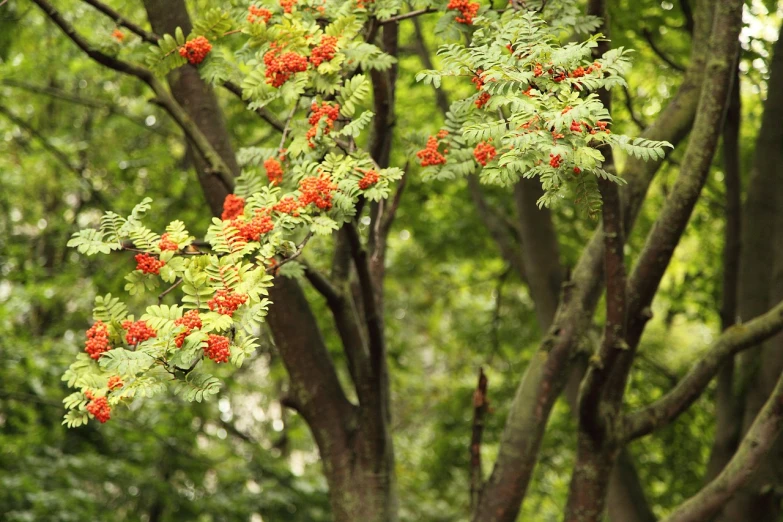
x=737 y=338
x=216 y=164
x=659 y=52
x=124 y=22
x=754 y=446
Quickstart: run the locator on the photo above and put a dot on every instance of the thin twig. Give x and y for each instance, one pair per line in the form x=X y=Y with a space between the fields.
x=124 y=22
x=293 y=256
x=480 y=407
x=658 y=51
x=405 y=16
x=629 y=105
x=169 y=289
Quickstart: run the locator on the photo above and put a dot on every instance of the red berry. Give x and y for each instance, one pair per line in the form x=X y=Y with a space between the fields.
x=468 y=10
x=226 y=301
x=97 y=340
x=100 y=409
x=317 y=190
x=148 y=264
x=217 y=348
x=288 y=205
x=324 y=51
x=326 y=110
x=167 y=244
x=554 y=160
x=274 y=171
x=484 y=152
x=258 y=14
x=195 y=50
x=115 y=382
x=430 y=155
x=191 y=321
x=370 y=178
x=287 y=5
x=279 y=68
x=233 y=206
x=252 y=230
x=137 y=332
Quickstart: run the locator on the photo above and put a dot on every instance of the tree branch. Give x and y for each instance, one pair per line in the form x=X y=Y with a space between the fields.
x=732 y=341
x=216 y=164
x=480 y=407
x=754 y=446
x=629 y=106
x=670 y=225
x=60 y=94
x=591 y=395
x=263 y=112
x=405 y=16
x=374 y=324
x=659 y=52
x=124 y=22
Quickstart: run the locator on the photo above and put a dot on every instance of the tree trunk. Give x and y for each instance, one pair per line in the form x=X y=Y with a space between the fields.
x=198 y=99
x=760 y=367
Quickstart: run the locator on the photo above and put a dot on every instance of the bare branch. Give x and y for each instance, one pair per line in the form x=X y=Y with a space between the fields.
x=405 y=16
x=754 y=446
x=659 y=52
x=629 y=105
x=263 y=112
x=480 y=407
x=731 y=342
x=590 y=399
x=124 y=22
x=94 y=103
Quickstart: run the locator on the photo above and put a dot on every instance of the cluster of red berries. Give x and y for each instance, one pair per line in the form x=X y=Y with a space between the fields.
x=287 y=5
x=138 y=332
x=280 y=66
x=258 y=14
x=191 y=321
x=559 y=76
x=97 y=340
x=484 y=152
x=167 y=244
x=288 y=205
x=478 y=81
x=233 y=206
x=317 y=190
x=274 y=171
x=98 y=407
x=217 y=348
x=326 y=110
x=148 y=264
x=195 y=50
x=430 y=155
x=601 y=125
x=324 y=51
x=115 y=382
x=554 y=160
x=575 y=127
x=468 y=10
x=260 y=224
x=226 y=301
x=370 y=178
x=118 y=35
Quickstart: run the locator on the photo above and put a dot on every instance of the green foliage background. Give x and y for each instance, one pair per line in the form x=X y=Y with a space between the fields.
x=76 y=139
